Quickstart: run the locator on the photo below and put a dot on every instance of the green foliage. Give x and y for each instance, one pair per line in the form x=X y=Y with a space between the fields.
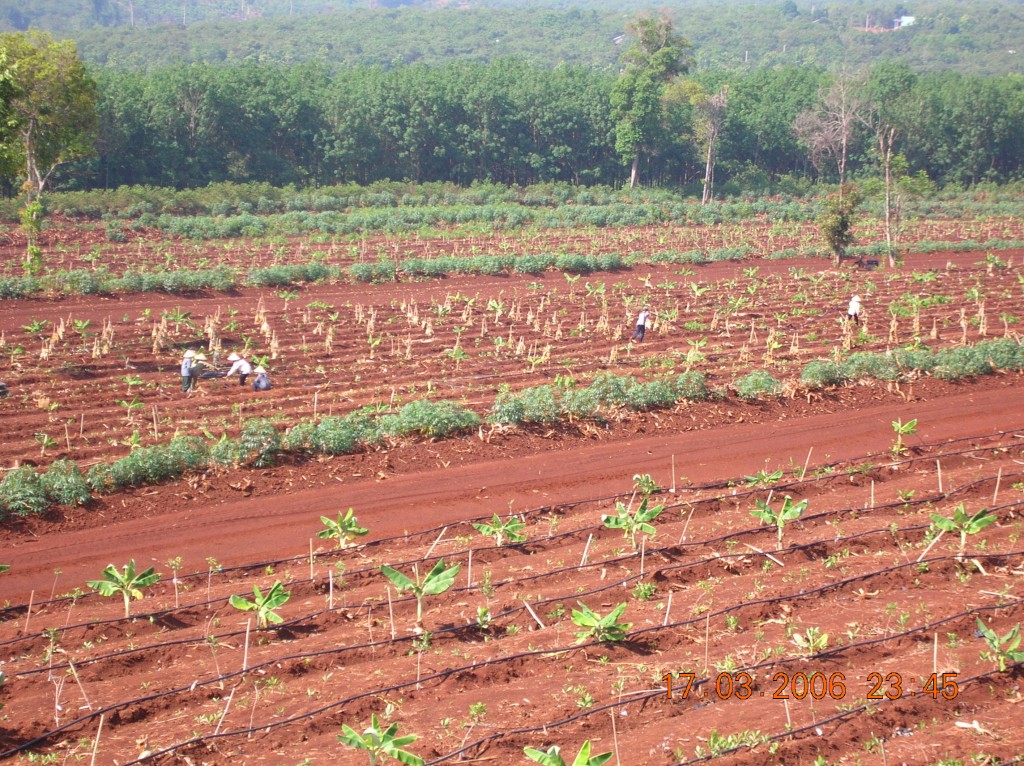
x=433 y=419
x=510 y=529
x=902 y=429
x=597 y=628
x=1002 y=649
x=259 y=443
x=265 y=605
x=633 y=523
x=150 y=465
x=811 y=641
x=344 y=530
x=821 y=373
x=757 y=384
x=437 y=581
x=778 y=518
x=553 y=756
x=964 y=523
x=864 y=364
x=381 y=743
x=22 y=492
x=64 y=483
x=836 y=220
x=128 y=583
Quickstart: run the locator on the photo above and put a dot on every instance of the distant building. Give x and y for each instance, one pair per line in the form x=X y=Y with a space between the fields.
x=903 y=21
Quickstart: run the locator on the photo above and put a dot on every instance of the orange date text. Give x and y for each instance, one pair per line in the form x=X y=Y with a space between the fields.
x=817 y=686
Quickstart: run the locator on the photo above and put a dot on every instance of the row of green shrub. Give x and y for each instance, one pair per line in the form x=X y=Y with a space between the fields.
x=25 y=491
x=550 y=404
x=225 y=200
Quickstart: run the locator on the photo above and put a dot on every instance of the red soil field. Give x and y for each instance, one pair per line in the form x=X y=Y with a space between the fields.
x=903 y=675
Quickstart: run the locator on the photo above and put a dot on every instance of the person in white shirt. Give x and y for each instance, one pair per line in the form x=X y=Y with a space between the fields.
x=241 y=367
x=641 y=324
x=853 y=312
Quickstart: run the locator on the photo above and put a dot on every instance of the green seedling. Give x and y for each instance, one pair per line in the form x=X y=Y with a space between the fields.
x=632 y=524
x=437 y=581
x=645 y=484
x=812 y=641
x=344 y=530
x=1002 y=649
x=126 y=582
x=902 y=429
x=764 y=478
x=553 y=756
x=964 y=524
x=4 y=568
x=788 y=512
x=607 y=628
x=264 y=605
x=509 y=530
x=381 y=743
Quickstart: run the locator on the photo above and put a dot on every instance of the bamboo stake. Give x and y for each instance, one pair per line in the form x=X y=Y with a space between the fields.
x=81 y=424
x=925 y=551
x=227 y=706
x=312 y=577
x=995 y=494
x=586 y=549
x=330 y=590
x=245 y=653
x=534 y=615
x=445 y=529
x=673 y=490
x=469 y=570
x=643 y=550
x=96 y=742
x=938 y=468
x=935 y=653
x=763 y=553
x=615 y=738
x=668 y=609
x=806 y=463
x=789 y=720
x=391 y=615
x=707 y=641
x=156 y=424
x=682 y=535
x=28 y=612
x=67 y=435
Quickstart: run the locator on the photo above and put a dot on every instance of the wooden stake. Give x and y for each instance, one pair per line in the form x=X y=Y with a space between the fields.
x=81 y=424
x=330 y=590
x=156 y=424
x=316 y=395
x=96 y=742
x=707 y=637
x=28 y=612
x=938 y=468
x=673 y=490
x=534 y=615
x=586 y=549
x=806 y=463
x=67 y=435
x=227 y=706
x=682 y=535
x=935 y=653
x=995 y=494
x=245 y=653
x=763 y=553
x=615 y=739
x=643 y=550
x=789 y=720
x=312 y=577
x=469 y=570
x=925 y=551
x=668 y=609
x=445 y=529
x=391 y=614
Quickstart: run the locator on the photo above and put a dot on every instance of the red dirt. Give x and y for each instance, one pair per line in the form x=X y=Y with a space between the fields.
x=162 y=684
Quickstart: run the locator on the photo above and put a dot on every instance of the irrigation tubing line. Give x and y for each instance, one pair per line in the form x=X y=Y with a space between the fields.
x=16 y=609
x=448 y=672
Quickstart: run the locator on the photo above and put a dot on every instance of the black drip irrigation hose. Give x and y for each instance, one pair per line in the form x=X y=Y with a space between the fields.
x=547 y=652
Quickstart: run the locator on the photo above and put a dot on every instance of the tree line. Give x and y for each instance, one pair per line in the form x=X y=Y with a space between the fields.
x=507 y=122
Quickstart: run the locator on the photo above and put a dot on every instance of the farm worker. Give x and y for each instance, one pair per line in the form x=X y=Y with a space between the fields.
x=853 y=312
x=198 y=366
x=186 y=370
x=262 y=381
x=643 y=320
x=241 y=367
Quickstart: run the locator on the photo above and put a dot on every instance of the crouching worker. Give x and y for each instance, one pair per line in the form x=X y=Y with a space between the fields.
x=262 y=381
x=241 y=367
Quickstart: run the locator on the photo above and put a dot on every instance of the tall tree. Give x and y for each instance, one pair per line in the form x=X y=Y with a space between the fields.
x=829 y=128
x=708 y=119
x=656 y=56
x=53 y=106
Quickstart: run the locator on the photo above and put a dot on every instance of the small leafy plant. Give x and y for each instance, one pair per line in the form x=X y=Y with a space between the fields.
x=264 y=605
x=902 y=429
x=963 y=523
x=381 y=743
x=127 y=582
x=1002 y=649
x=632 y=524
x=607 y=628
x=788 y=512
x=811 y=641
x=553 y=756
x=344 y=530
x=510 y=530
x=437 y=581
